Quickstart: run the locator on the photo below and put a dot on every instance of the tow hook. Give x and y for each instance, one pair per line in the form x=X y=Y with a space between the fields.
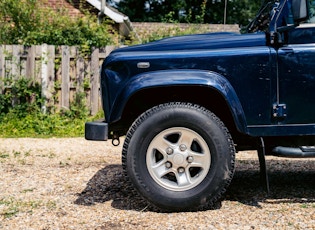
x=115 y=141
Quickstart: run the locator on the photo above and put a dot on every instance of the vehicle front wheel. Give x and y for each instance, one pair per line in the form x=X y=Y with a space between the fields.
x=179 y=157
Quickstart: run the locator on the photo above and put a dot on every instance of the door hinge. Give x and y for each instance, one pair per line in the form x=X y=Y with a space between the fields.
x=279 y=110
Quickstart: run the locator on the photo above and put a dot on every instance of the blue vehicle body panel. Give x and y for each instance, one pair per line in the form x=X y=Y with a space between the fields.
x=237 y=63
x=267 y=79
x=297 y=76
x=244 y=61
x=200 y=42
x=181 y=78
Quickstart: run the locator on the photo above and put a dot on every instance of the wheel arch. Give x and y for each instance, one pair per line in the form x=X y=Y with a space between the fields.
x=205 y=88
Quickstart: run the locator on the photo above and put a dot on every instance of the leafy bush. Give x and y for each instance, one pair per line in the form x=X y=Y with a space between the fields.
x=22 y=95
x=41 y=125
x=28 y=22
x=21 y=116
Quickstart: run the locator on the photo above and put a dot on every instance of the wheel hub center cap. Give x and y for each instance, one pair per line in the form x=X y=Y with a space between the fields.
x=178 y=159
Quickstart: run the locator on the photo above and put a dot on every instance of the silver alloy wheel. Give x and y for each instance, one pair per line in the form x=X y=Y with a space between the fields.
x=178 y=159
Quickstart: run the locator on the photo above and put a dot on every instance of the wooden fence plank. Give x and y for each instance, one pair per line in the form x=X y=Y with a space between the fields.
x=30 y=62
x=94 y=81
x=61 y=70
x=44 y=76
x=65 y=78
x=51 y=76
x=2 y=62
x=38 y=63
x=15 y=61
x=80 y=73
x=7 y=53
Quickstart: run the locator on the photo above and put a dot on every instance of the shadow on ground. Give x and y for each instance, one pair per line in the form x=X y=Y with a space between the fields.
x=290 y=182
x=110 y=184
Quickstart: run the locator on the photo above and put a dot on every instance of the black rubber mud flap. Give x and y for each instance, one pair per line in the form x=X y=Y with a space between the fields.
x=262 y=164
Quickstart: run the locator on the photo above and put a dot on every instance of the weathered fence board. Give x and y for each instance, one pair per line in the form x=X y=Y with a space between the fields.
x=62 y=71
x=94 y=80
x=65 y=77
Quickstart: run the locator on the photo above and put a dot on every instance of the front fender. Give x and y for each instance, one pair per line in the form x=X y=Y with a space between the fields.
x=169 y=78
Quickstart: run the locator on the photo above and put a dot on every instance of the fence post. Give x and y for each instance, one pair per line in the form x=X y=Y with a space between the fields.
x=94 y=81
x=65 y=86
x=44 y=76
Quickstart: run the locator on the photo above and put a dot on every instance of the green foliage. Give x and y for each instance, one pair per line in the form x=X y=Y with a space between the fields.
x=41 y=125
x=135 y=9
x=78 y=107
x=169 y=18
x=21 y=116
x=190 y=11
x=24 y=95
x=28 y=22
x=201 y=17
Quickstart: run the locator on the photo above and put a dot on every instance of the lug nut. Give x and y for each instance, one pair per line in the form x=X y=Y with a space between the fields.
x=181 y=170
x=182 y=147
x=190 y=159
x=169 y=151
x=168 y=164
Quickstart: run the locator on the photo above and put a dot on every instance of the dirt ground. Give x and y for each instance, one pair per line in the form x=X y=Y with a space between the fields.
x=71 y=183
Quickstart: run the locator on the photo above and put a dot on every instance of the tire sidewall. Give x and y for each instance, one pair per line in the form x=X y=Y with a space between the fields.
x=202 y=122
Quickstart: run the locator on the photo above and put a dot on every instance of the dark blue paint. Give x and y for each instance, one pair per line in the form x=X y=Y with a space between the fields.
x=199 y=42
x=238 y=65
x=252 y=72
x=179 y=78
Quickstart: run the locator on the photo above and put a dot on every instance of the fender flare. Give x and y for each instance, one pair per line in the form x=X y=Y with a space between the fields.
x=167 y=78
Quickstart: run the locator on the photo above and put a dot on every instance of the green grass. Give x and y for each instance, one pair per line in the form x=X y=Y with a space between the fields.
x=21 y=115
x=4 y=155
x=43 y=126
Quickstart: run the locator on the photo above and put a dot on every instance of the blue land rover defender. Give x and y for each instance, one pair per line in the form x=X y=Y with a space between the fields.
x=186 y=105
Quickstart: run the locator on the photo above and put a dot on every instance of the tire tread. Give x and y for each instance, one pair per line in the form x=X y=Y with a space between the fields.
x=211 y=203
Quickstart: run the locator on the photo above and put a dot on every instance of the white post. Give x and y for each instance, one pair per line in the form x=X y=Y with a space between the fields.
x=225 y=8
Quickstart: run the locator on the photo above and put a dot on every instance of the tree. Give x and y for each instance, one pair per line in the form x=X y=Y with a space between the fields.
x=242 y=11
x=191 y=11
x=137 y=10
x=168 y=10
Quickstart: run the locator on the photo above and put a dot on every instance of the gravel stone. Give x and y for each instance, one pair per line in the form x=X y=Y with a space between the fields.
x=71 y=183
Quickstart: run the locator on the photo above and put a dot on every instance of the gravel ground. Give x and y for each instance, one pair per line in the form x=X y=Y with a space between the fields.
x=71 y=183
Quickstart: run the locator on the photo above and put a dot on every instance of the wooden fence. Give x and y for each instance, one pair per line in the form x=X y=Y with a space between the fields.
x=62 y=71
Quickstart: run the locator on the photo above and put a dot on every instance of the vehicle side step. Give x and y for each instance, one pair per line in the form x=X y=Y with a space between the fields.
x=298 y=152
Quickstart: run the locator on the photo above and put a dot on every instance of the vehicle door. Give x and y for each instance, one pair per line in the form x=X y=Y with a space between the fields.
x=296 y=79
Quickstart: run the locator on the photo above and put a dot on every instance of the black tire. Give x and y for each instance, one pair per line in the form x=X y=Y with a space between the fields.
x=179 y=157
